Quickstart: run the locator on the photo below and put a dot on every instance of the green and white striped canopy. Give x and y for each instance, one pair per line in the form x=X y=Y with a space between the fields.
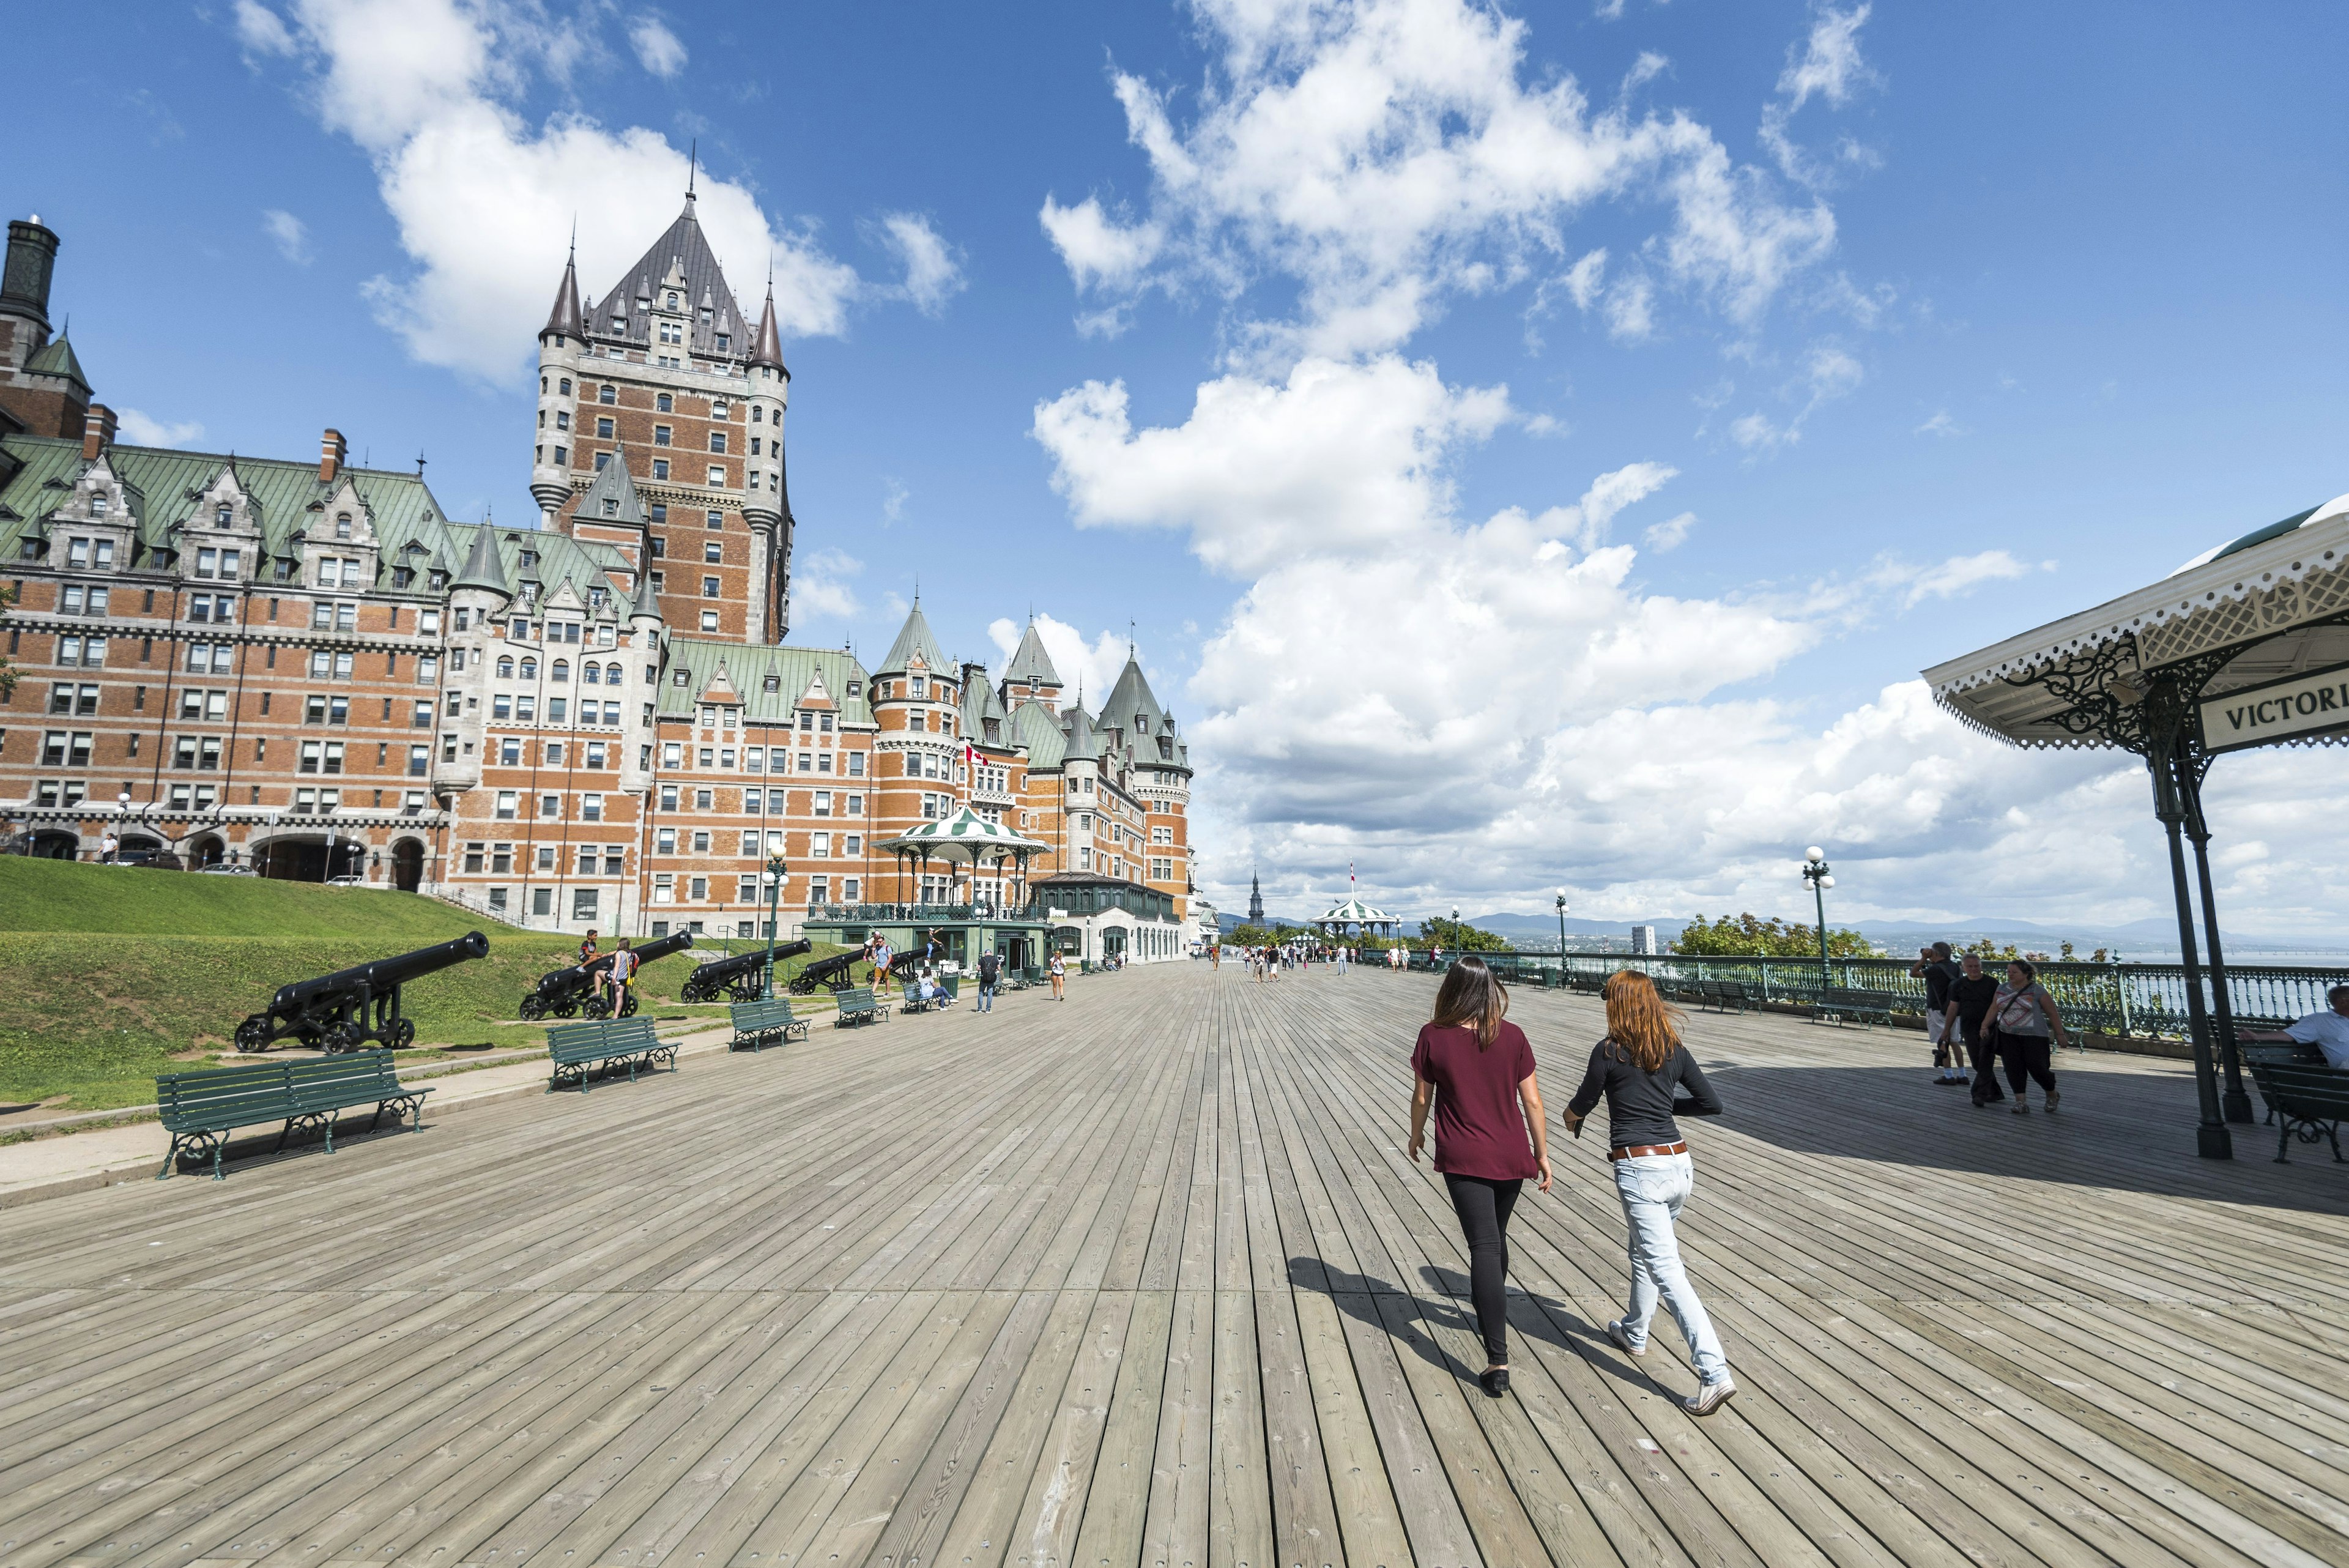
x=966 y=837
x=1352 y=912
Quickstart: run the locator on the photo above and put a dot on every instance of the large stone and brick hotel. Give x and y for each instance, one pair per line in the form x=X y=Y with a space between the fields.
x=309 y=667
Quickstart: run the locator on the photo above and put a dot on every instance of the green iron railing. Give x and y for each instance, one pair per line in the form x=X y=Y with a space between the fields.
x=2120 y=999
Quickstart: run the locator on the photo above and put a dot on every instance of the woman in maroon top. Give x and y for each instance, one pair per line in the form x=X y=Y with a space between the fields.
x=1477 y=1069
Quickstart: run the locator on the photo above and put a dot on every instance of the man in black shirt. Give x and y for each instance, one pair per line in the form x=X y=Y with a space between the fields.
x=1968 y=1008
x=1933 y=964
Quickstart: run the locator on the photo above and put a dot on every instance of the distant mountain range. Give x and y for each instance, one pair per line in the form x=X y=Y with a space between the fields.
x=2150 y=938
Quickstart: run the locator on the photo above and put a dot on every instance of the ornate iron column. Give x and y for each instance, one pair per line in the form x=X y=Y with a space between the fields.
x=2212 y=1140
x=2232 y=1096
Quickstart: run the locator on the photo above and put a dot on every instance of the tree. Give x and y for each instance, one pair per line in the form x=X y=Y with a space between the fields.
x=1750 y=936
x=1459 y=937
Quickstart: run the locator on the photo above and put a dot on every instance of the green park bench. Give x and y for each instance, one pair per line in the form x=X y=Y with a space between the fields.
x=580 y=1050
x=2306 y=1102
x=1726 y=995
x=857 y=1004
x=2277 y=1049
x=201 y=1109
x=758 y=1023
x=1841 y=1003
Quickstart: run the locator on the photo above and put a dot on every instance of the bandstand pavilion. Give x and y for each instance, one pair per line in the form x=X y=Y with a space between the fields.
x=2245 y=646
x=1350 y=917
x=987 y=907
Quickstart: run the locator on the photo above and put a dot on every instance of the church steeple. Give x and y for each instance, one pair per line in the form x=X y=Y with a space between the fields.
x=1256 y=900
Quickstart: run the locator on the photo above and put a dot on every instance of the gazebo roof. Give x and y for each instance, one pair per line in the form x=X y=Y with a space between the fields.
x=1351 y=911
x=2269 y=594
x=965 y=836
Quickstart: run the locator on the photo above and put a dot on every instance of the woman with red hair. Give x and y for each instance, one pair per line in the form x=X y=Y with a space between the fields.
x=1640 y=1067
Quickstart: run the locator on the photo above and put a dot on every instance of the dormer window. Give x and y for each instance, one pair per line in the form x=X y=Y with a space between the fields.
x=98 y=505
x=611 y=507
x=671 y=302
x=223 y=516
x=530 y=560
x=725 y=341
x=436 y=581
x=773 y=683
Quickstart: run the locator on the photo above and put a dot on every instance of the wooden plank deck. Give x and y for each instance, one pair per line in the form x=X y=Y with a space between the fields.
x=1144 y=1280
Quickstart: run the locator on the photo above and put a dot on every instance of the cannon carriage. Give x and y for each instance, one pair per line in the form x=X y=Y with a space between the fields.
x=571 y=992
x=345 y=1010
x=741 y=977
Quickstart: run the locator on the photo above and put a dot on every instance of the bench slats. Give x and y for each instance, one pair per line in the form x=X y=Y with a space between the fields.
x=578 y=1050
x=755 y=1023
x=201 y=1109
x=2307 y=1102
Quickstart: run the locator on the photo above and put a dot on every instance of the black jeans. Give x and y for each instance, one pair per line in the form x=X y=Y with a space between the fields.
x=2027 y=1059
x=1484 y=1209
x=1982 y=1044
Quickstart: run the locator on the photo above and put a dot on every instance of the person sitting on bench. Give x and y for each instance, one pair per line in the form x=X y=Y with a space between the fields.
x=2327 y=1030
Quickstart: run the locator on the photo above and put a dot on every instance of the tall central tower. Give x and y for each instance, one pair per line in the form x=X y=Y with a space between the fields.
x=663 y=377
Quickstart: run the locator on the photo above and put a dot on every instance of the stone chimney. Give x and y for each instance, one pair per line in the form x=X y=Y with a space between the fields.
x=97 y=431
x=333 y=453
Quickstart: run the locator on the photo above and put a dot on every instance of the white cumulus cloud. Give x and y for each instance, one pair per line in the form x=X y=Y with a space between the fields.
x=484 y=199
x=820 y=586
x=1390 y=154
x=658 y=50
x=288 y=234
x=141 y=429
x=932 y=268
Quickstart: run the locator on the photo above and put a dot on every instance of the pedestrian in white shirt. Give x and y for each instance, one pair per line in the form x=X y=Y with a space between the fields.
x=2327 y=1030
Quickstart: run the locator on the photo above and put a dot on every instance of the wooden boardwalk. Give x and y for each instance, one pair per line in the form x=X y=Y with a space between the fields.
x=1145 y=1281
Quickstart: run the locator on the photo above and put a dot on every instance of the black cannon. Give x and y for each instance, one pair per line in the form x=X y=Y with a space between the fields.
x=344 y=1010
x=568 y=992
x=741 y=977
x=827 y=974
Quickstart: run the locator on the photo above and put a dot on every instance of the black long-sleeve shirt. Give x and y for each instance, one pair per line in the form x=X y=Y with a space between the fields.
x=1641 y=1105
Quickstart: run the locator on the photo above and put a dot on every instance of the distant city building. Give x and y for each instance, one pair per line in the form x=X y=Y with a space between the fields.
x=1643 y=940
x=309 y=667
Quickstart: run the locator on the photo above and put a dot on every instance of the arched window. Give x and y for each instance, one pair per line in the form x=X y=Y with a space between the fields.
x=505 y=670
x=590 y=673
x=342 y=524
x=607 y=393
x=530 y=669
x=223 y=515
x=560 y=672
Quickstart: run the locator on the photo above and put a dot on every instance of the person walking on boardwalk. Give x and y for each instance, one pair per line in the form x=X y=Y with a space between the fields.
x=1969 y=1025
x=990 y=975
x=1639 y=1068
x=2025 y=1018
x=1933 y=967
x=1060 y=969
x=1476 y=1069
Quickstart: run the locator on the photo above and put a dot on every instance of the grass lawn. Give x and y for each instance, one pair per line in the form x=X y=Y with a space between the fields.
x=119 y=974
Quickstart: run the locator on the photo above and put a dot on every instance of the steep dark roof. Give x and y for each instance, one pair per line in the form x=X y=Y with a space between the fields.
x=566 y=317
x=705 y=285
x=646 y=602
x=769 y=348
x=485 y=567
x=613 y=485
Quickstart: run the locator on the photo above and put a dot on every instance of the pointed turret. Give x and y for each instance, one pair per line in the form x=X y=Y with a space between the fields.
x=612 y=499
x=568 y=318
x=646 y=604
x=1030 y=672
x=56 y=358
x=485 y=567
x=769 y=348
x=914 y=638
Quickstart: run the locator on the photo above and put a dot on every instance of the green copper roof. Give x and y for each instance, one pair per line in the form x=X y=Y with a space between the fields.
x=748 y=666
x=1031 y=665
x=913 y=639
x=1033 y=726
x=56 y=358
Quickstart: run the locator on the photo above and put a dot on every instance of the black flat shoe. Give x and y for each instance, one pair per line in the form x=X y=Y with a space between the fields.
x=1495 y=1381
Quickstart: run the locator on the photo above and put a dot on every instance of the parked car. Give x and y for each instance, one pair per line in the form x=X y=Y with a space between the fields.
x=346 y=881
x=225 y=869
x=155 y=859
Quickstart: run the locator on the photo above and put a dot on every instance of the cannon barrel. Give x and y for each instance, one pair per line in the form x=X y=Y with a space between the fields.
x=705 y=984
x=381 y=974
x=575 y=975
x=824 y=972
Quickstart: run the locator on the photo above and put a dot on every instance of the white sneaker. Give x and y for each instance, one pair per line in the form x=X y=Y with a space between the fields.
x=1615 y=1332
x=1710 y=1397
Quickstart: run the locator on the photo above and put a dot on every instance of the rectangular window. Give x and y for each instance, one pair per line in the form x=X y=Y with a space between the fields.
x=823 y=802
x=750 y=803
x=820 y=845
x=665 y=841
x=698 y=889
x=509 y=804
x=582 y=903
x=664 y=892
x=750 y=845
x=590 y=808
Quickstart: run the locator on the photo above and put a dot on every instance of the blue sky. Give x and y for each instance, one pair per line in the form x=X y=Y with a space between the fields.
x=1468 y=553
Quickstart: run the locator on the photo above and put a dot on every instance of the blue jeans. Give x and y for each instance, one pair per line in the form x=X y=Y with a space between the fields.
x=986 y=997
x=1652 y=1188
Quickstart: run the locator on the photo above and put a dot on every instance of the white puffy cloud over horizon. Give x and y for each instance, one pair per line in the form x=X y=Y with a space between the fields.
x=1478 y=709
x=484 y=199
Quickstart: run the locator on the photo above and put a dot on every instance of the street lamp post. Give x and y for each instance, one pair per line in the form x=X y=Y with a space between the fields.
x=776 y=871
x=121 y=812
x=1816 y=873
x=1561 y=936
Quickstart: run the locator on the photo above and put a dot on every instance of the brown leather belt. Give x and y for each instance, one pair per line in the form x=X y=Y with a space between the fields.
x=1641 y=1151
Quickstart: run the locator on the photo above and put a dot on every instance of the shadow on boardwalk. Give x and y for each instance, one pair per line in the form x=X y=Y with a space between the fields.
x=2116 y=1132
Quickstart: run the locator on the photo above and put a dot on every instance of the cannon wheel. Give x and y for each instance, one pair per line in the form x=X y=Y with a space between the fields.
x=531 y=1007
x=252 y=1034
x=565 y=1010
x=692 y=991
x=628 y=1007
x=344 y=1037
x=746 y=988
x=595 y=1007
x=403 y=1034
